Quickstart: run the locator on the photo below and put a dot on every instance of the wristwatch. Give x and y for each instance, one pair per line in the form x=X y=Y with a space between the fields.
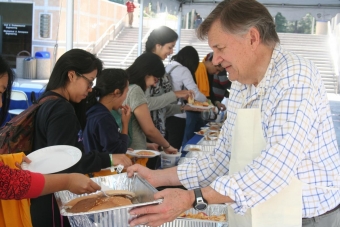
x=200 y=203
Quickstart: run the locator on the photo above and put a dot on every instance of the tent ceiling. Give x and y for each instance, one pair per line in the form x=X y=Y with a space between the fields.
x=327 y=8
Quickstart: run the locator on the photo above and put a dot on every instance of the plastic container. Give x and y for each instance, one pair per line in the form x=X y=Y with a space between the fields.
x=20 y=63
x=43 y=64
x=169 y=160
x=30 y=70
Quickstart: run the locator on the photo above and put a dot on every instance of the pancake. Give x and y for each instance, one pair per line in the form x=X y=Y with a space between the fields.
x=98 y=201
x=110 y=202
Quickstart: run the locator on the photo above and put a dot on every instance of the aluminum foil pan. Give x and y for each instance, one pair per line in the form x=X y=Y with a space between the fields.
x=118 y=216
x=203 y=141
x=195 y=154
x=193 y=148
x=188 y=222
x=184 y=160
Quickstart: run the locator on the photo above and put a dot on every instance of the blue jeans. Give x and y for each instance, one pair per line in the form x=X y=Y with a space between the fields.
x=193 y=123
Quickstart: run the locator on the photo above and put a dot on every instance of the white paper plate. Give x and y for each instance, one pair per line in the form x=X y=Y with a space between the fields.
x=52 y=159
x=201 y=107
x=135 y=153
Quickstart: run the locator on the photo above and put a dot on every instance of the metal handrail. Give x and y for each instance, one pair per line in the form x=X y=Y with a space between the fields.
x=109 y=34
x=134 y=47
x=128 y=55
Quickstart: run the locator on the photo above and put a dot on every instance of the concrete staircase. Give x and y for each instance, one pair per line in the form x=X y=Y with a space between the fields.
x=122 y=51
x=317 y=49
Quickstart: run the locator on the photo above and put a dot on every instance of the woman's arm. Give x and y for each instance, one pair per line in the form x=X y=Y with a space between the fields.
x=21 y=184
x=158 y=102
x=152 y=133
x=190 y=84
x=74 y=182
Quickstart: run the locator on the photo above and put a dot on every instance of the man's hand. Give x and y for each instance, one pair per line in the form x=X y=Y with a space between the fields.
x=175 y=202
x=142 y=171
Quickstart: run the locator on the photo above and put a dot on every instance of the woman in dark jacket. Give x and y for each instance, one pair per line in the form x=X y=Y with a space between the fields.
x=61 y=121
x=102 y=132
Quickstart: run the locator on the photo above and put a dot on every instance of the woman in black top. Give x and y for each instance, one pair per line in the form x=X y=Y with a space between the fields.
x=61 y=121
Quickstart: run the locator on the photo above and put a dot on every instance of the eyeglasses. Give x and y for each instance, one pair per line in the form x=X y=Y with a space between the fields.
x=90 y=82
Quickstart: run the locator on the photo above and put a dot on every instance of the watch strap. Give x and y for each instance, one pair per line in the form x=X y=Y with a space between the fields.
x=198 y=196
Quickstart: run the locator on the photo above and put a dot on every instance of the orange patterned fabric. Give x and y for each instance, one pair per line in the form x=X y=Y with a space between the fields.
x=14 y=212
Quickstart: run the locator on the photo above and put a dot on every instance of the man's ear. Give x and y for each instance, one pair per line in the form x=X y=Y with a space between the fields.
x=255 y=38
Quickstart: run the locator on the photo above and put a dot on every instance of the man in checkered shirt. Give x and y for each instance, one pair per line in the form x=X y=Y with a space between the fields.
x=298 y=147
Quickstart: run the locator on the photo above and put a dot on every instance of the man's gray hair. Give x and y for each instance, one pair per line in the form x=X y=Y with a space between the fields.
x=238 y=16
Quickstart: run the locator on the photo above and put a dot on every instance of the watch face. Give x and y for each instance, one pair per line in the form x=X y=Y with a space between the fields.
x=201 y=206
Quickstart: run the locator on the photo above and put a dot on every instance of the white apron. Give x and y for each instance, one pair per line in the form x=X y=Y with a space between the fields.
x=282 y=210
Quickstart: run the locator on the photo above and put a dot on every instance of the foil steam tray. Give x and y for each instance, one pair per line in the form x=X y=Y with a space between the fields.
x=203 y=141
x=194 y=148
x=183 y=160
x=113 y=217
x=214 y=209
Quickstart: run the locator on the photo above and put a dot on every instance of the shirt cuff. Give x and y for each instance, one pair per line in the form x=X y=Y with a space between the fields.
x=228 y=186
x=37 y=185
x=187 y=174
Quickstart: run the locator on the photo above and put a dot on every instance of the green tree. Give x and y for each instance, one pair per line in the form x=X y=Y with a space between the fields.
x=280 y=22
x=305 y=24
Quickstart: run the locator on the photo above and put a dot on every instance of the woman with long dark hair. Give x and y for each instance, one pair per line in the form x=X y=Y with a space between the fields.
x=161 y=42
x=16 y=184
x=183 y=67
x=144 y=73
x=62 y=120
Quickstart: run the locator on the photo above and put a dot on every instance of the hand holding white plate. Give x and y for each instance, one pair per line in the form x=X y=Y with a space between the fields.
x=201 y=107
x=52 y=159
x=143 y=153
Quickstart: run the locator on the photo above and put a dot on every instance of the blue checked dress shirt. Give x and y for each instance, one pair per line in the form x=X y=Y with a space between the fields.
x=300 y=136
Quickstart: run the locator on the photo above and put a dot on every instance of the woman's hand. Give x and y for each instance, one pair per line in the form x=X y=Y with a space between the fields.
x=121 y=159
x=170 y=150
x=24 y=159
x=126 y=114
x=79 y=184
x=152 y=146
x=220 y=106
x=184 y=94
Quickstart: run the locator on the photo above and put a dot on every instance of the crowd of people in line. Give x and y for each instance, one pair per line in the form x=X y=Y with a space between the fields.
x=136 y=108
x=277 y=146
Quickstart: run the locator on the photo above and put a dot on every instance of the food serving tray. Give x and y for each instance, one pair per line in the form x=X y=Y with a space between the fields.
x=183 y=160
x=213 y=209
x=203 y=141
x=113 y=217
x=193 y=148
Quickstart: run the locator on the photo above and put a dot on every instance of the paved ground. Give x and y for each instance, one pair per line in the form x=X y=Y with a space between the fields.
x=334 y=100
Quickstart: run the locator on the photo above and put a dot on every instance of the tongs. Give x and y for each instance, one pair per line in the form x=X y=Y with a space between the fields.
x=119 y=168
